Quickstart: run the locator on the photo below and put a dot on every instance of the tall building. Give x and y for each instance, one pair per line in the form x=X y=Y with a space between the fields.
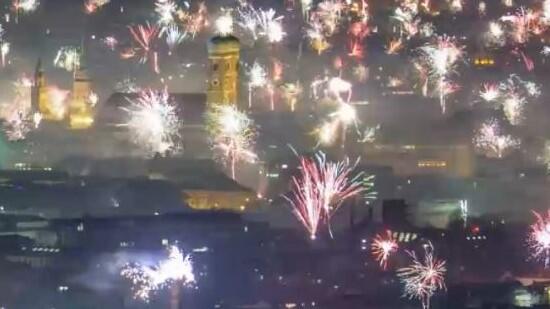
x=80 y=109
x=40 y=100
x=223 y=70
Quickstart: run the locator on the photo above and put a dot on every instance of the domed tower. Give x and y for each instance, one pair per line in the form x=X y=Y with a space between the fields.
x=223 y=70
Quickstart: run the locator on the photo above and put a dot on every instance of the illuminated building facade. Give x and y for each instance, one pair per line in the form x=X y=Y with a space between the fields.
x=406 y=160
x=41 y=97
x=80 y=109
x=223 y=70
x=79 y=113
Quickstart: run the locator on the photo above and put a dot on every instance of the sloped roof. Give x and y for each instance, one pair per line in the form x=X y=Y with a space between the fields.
x=195 y=174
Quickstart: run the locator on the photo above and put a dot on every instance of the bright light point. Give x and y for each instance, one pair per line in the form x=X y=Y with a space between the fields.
x=224 y=24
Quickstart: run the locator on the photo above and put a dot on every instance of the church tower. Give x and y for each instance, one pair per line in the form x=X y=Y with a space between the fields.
x=38 y=88
x=223 y=70
x=80 y=107
x=40 y=100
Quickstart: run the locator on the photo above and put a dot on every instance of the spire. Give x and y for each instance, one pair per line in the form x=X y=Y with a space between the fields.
x=38 y=68
x=82 y=53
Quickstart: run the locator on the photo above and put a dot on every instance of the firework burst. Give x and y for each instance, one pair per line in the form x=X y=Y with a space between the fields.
x=18 y=115
x=539 y=238
x=232 y=133
x=68 y=58
x=271 y=26
x=382 y=247
x=490 y=141
x=174 y=36
x=320 y=189
x=4 y=51
x=515 y=93
x=247 y=19
x=489 y=92
x=153 y=122
x=442 y=58
x=24 y=6
x=423 y=277
x=144 y=36
x=495 y=35
x=91 y=6
x=317 y=39
x=146 y=280
x=224 y=23
x=257 y=78
x=523 y=24
x=111 y=42
x=166 y=10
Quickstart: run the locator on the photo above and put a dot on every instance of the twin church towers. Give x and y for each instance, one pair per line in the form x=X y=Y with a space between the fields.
x=51 y=102
x=76 y=108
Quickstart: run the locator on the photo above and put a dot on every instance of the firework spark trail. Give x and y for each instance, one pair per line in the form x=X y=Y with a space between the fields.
x=232 y=132
x=144 y=36
x=406 y=16
x=369 y=193
x=317 y=39
x=57 y=99
x=357 y=33
x=527 y=61
x=513 y=107
x=224 y=23
x=320 y=189
x=538 y=239
x=127 y=85
x=4 y=51
x=270 y=26
x=489 y=92
x=195 y=22
x=394 y=46
x=489 y=140
x=382 y=246
x=423 y=277
x=524 y=23
x=91 y=6
x=166 y=10
x=247 y=19
x=291 y=92
x=174 y=36
x=257 y=78
x=306 y=7
x=345 y=113
x=495 y=36
x=546 y=12
x=24 y=6
x=146 y=280
x=68 y=58
x=514 y=94
x=327 y=133
x=329 y=13
x=153 y=122
x=338 y=86
x=18 y=115
x=111 y=42
x=441 y=57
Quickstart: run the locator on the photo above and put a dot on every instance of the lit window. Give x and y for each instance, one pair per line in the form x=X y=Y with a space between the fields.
x=432 y=164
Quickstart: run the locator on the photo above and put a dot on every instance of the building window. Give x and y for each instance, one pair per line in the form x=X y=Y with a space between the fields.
x=215 y=82
x=432 y=164
x=214 y=67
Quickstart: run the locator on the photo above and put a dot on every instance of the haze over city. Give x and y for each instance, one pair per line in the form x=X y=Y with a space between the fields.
x=274 y=154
